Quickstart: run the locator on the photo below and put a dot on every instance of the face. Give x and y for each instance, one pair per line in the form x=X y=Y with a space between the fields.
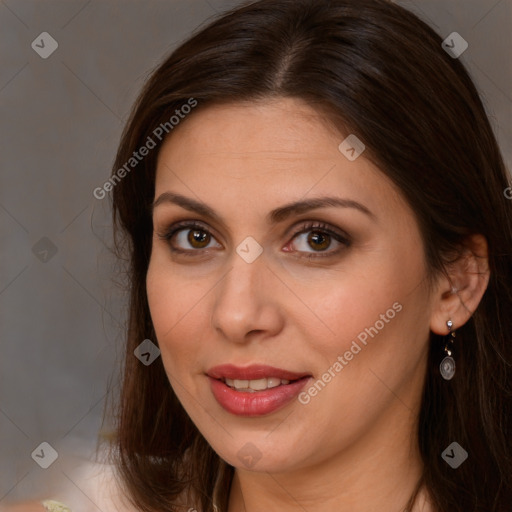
x=323 y=303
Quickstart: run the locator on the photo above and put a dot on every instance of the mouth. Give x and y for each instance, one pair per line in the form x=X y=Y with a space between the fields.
x=255 y=390
x=251 y=386
x=256 y=377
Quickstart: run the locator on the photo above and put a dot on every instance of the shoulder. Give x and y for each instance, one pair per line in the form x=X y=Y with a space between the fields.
x=91 y=486
x=99 y=482
x=25 y=506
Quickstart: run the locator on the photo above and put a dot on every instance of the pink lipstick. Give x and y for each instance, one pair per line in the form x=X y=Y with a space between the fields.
x=254 y=390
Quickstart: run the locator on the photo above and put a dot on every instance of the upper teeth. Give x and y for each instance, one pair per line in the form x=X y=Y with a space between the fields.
x=256 y=385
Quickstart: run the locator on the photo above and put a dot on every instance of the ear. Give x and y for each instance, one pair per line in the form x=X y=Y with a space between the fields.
x=458 y=293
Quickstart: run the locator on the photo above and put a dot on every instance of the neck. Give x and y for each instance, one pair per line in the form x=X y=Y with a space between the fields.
x=379 y=471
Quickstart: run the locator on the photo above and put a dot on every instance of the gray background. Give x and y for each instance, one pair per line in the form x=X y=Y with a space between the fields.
x=61 y=312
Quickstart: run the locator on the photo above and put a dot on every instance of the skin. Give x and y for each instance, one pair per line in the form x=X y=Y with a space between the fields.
x=353 y=446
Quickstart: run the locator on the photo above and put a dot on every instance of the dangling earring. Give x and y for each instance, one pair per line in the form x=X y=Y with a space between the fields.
x=447 y=366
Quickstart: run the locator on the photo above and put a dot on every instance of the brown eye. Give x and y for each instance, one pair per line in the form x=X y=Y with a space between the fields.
x=198 y=238
x=318 y=240
x=189 y=238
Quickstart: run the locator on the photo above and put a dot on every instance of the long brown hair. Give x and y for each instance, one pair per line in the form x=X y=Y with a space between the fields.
x=377 y=71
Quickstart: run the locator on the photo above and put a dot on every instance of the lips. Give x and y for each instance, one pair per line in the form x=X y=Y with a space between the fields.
x=253 y=372
x=253 y=402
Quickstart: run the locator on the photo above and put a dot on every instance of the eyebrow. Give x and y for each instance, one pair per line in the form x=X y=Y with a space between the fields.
x=277 y=215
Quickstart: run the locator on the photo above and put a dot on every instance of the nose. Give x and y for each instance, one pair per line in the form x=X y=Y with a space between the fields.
x=246 y=304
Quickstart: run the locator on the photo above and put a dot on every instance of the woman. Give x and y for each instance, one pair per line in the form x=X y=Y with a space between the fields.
x=310 y=198
x=245 y=276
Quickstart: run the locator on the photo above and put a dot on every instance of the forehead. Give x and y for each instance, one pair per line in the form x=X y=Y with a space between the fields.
x=277 y=147
x=274 y=129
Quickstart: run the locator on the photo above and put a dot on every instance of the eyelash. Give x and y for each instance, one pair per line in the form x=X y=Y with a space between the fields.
x=310 y=226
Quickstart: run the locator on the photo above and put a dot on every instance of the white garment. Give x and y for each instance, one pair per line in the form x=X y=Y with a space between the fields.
x=93 y=487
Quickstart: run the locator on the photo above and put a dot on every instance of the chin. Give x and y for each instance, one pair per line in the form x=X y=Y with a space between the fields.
x=259 y=451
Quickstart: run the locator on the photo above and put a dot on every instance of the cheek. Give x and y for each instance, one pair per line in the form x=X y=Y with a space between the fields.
x=176 y=313
x=376 y=316
x=345 y=306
